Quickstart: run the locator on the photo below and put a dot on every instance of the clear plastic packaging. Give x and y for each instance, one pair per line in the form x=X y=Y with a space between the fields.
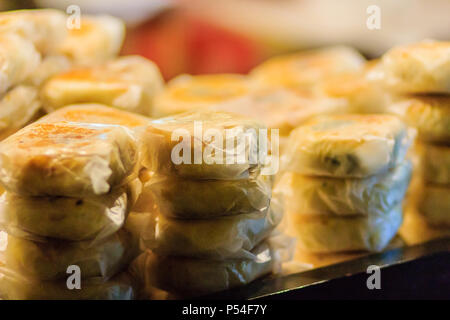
x=65 y=218
x=374 y=195
x=347 y=146
x=187 y=93
x=18 y=107
x=304 y=70
x=18 y=60
x=204 y=145
x=49 y=259
x=280 y=108
x=435 y=163
x=220 y=238
x=45 y=28
x=127 y=83
x=99 y=38
x=67 y=159
x=328 y=234
x=184 y=276
x=430 y=115
x=434 y=204
x=422 y=67
x=15 y=287
x=204 y=199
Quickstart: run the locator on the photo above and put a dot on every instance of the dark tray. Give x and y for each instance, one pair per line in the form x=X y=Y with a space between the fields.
x=410 y=272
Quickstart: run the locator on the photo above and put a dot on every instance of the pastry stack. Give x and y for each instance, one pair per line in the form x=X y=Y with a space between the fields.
x=344 y=180
x=420 y=76
x=37 y=44
x=70 y=182
x=187 y=93
x=212 y=213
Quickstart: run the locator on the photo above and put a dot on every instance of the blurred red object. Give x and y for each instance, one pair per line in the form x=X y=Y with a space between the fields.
x=180 y=43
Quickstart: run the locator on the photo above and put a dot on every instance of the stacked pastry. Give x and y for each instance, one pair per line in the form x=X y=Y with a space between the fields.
x=344 y=182
x=420 y=75
x=70 y=181
x=212 y=212
x=37 y=44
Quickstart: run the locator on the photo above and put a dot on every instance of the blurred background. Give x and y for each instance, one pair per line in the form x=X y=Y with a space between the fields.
x=204 y=36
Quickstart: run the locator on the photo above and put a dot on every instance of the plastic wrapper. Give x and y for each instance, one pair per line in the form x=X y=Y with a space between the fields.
x=303 y=71
x=430 y=115
x=192 y=93
x=422 y=67
x=50 y=66
x=18 y=107
x=67 y=218
x=15 y=287
x=434 y=204
x=128 y=83
x=98 y=39
x=361 y=90
x=416 y=229
x=67 y=159
x=203 y=199
x=184 y=276
x=374 y=195
x=280 y=108
x=204 y=145
x=50 y=259
x=435 y=163
x=220 y=238
x=18 y=60
x=97 y=113
x=328 y=234
x=347 y=146
x=45 y=28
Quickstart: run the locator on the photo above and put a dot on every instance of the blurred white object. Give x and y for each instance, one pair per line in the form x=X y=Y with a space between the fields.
x=132 y=11
x=323 y=22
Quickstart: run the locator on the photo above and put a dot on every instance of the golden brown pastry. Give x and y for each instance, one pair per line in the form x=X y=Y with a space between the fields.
x=422 y=67
x=129 y=83
x=67 y=159
x=347 y=145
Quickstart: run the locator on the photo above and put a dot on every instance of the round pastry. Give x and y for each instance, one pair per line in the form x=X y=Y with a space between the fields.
x=191 y=93
x=330 y=234
x=347 y=146
x=303 y=71
x=65 y=218
x=204 y=199
x=374 y=195
x=219 y=238
x=50 y=259
x=422 y=67
x=67 y=159
x=184 y=276
x=128 y=83
x=204 y=145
